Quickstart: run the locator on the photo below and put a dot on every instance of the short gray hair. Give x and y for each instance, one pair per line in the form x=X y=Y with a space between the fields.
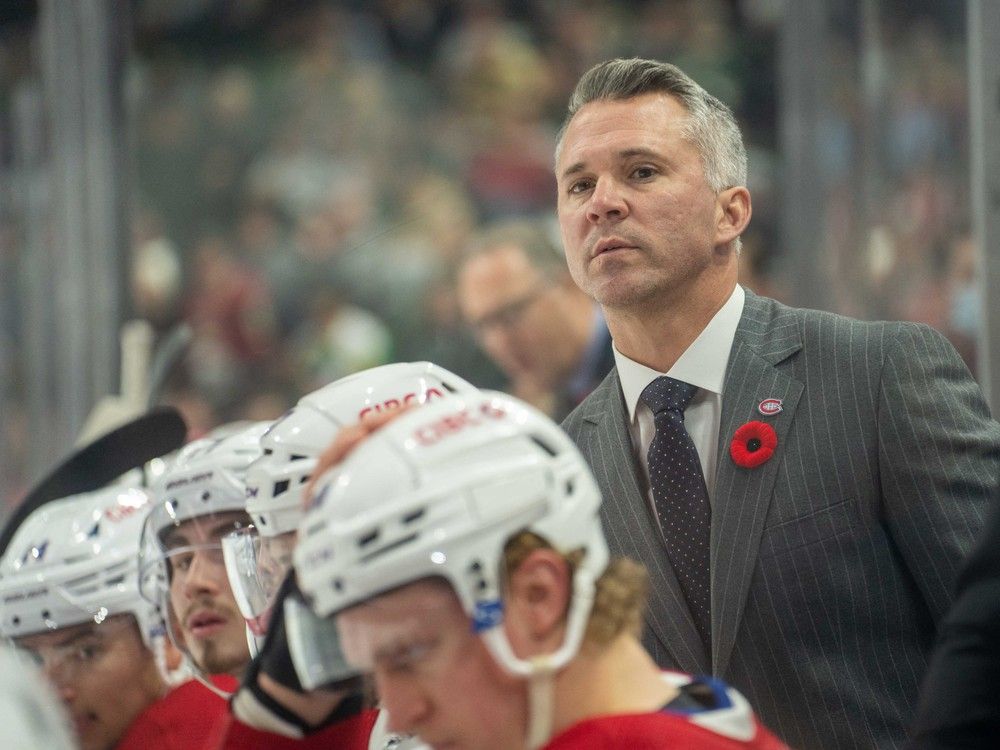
x=710 y=126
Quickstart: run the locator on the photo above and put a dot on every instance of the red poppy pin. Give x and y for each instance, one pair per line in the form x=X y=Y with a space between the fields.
x=753 y=444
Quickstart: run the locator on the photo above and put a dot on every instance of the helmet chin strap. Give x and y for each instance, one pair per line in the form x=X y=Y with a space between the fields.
x=540 y=671
x=206 y=679
x=540 y=708
x=254 y=642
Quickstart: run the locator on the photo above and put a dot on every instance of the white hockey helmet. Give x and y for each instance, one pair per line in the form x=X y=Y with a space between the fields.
x=258 y=559
x=74 y=560
x=276 y=480
x=206 y=479
x=30 y=713
x=438 y=493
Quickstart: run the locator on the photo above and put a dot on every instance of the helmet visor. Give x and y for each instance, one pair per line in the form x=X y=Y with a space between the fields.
x=420 y=625
x=314 y=644
x=256 y=565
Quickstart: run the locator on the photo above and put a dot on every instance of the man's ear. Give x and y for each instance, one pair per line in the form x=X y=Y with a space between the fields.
x=538 y=595
x=732 y=212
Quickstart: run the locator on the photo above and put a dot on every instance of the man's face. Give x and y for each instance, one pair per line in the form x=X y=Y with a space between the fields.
x=516 y=314
x=104 y=674
x=638 y=218
x=433 y=674
x=209 y=623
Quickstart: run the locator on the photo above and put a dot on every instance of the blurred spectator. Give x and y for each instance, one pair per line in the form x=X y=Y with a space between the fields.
x=156 y=273
x=230 y=311
x=515 y=291
x=337 y=339
x=966 y=296
x=352 y=148
x=229 y=302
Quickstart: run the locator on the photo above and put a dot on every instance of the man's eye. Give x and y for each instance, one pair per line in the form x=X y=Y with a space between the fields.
x=88 y=652
x=643 y=173
x=406 y=659
x=182 y=562
x=579 y=186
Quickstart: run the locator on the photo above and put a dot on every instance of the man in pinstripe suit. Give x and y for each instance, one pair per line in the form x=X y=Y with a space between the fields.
x=832 y=562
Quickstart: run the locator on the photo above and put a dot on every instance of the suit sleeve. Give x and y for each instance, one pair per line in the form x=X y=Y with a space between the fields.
x=939 y=453
x=958 y=705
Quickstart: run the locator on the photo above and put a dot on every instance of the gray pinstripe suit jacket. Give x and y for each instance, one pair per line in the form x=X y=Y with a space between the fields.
x=831 y=563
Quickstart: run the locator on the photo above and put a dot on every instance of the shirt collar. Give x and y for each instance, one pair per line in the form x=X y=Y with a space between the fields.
x=703 y=363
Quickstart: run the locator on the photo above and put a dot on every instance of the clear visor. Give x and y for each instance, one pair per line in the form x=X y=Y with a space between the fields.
x=418 y=627
x=169 y=545
x=256 y=565
x=187 y=553
x=68 y=652
x=314 y=644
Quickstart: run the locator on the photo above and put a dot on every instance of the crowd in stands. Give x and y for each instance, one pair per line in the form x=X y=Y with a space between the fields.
x=307 y=174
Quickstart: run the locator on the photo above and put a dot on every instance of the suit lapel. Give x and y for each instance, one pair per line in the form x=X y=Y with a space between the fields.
x=743 y=496
x=630 y=527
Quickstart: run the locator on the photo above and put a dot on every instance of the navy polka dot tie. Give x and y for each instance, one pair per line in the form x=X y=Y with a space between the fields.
x=680 y=496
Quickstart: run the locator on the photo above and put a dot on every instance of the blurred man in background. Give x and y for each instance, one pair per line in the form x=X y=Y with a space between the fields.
x=549 y=338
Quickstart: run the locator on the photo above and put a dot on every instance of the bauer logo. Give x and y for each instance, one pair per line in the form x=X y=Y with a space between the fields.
x=487 y=615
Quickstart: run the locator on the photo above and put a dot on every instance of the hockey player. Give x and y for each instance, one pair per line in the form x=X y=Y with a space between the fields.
x=69 y=598
x=258 y=558
x=457 y=556
x=198 y=500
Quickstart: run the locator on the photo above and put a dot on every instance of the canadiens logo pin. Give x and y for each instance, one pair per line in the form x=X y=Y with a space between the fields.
x=769 y=406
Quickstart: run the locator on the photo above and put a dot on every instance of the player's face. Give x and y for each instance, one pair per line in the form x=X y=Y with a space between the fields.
x=433 y=674
x=210 y=624
x=104 y=674
x=638 y=218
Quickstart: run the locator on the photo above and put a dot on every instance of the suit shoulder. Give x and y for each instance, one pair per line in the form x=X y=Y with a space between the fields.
x=844 y=333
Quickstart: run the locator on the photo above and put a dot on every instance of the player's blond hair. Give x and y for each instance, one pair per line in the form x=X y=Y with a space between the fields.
x=620 y=592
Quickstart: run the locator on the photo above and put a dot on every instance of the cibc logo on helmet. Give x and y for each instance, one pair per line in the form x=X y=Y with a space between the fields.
x=395 y=403
x=453 y=424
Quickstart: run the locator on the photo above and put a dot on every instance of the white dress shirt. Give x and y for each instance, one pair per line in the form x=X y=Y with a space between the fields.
x=703 y=364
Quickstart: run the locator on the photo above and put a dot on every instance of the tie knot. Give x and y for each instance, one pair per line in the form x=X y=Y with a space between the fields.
x=667 y=394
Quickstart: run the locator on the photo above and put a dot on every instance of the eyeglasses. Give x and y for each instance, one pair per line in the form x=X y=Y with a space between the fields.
x=509 y=315
x=87 y=649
